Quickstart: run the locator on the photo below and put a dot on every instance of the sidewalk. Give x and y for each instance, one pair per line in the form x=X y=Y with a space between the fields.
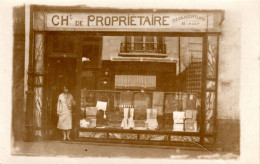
x=88 y=149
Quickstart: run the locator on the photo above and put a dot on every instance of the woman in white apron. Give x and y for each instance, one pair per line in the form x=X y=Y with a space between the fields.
x=64 y=111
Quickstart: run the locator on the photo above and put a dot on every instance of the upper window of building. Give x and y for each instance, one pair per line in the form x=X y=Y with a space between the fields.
x=143 y=44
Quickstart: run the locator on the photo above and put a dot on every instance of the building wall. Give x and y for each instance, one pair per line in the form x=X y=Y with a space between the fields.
x=228 y=137
x=18 y=72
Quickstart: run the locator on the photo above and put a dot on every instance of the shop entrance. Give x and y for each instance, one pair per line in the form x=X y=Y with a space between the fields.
x=61 y=71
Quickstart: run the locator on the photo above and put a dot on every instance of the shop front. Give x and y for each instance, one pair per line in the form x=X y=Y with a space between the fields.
x=137 y=76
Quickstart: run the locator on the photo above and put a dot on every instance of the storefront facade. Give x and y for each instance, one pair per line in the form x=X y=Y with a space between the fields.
x=138 y=76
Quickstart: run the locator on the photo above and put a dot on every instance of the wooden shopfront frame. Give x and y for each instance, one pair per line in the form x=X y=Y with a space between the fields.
x=38 y=26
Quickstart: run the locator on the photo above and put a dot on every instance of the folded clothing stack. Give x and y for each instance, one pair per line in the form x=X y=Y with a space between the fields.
x=190 y=121
x=178 y=121
x=91 y=113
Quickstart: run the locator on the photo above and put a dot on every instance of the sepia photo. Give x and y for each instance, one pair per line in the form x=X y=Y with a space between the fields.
x=144 y=82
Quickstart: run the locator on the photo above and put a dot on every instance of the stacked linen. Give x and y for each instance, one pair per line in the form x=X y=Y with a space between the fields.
x=178 y=121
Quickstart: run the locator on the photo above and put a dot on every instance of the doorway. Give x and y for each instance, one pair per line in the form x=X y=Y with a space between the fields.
x=61 y=71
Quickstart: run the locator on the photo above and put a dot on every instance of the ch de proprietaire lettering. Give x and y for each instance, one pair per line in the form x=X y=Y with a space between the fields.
x=115 y=20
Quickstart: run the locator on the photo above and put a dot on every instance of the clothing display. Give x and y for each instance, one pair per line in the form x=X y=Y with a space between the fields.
x=158 y=102
x=142 y=101
x=64 y=108
x=178 y=127
x=128 y=123
x=152 y=123
x=101 y=121
x=126 y=99
x=140 y=125
x=172 y=103
x=124 y=121
x=178 y=121
x=184 y=99
x=178 y=115
x=84 y=123
x=91 y=111
x=101 y=105
x=190 y=126
x=141 y=110
x=191 y=114
x=191 y=102
x=89 y=99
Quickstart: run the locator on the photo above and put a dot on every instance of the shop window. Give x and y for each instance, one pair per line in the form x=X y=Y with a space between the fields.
x=143 y=44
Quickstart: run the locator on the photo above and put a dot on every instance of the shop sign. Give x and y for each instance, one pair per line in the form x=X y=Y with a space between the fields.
x=128 y=21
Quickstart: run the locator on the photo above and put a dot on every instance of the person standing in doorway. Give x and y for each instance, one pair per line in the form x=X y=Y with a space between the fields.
x=64 y=111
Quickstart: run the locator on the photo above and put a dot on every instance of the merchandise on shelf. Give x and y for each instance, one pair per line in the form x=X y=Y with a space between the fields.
x=178 y=127
x=178 y=115
x=190 y=126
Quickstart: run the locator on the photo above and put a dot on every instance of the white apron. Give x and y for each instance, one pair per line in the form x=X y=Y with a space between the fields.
x=64 y=111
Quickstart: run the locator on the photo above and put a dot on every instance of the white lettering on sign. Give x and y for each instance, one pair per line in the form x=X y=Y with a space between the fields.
x=128 y=20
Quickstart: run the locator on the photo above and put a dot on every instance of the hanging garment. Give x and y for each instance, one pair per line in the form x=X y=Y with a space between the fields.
x=142 y=101
x=126 y=100
x=130 y=121
x=152 y=123
x=191 y=102
x=64 y=109
x=90 y=99
x=158 y=102
x=172 y=103
x=184 y=100
x=124 y=121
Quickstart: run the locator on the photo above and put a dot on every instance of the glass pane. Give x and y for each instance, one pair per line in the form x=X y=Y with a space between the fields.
x=138 y=43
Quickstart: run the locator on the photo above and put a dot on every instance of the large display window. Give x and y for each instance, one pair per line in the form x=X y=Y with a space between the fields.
x=139 y=93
